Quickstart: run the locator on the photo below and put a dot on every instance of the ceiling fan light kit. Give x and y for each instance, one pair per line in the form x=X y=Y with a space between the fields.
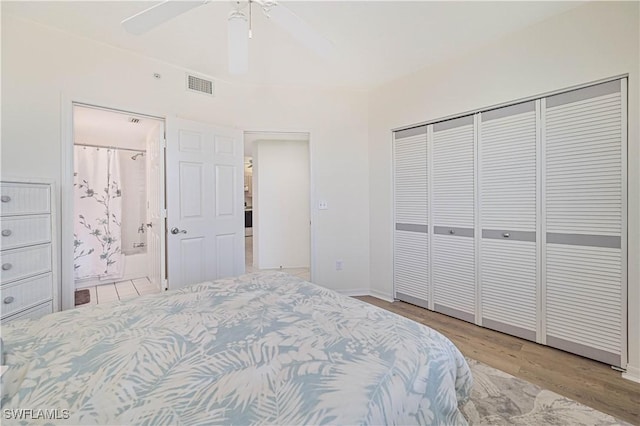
x=239 y=27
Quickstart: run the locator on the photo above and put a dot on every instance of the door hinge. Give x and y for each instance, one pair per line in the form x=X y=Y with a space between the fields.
x=165 y=285
x=163 y=213
x=164 y=143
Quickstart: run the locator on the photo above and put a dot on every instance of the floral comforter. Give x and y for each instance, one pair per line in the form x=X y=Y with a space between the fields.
x=260 y=348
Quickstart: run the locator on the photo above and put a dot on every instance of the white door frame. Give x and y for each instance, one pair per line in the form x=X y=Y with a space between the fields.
x=313 y=213
x=66 y=285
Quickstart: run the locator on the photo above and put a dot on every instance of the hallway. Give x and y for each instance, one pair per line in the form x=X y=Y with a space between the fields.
x=304 y=273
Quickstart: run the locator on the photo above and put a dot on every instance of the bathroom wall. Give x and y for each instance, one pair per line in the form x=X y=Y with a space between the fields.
x=134 y=197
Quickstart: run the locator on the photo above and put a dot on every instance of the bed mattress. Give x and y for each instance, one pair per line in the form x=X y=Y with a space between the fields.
x=260 y=348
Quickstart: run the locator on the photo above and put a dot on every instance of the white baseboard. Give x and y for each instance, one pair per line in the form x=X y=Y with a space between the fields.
x=633 y=374
x=355 y=292
x=366 y=292
x=381 y=295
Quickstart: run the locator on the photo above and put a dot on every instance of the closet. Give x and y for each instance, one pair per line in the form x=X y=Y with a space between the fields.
x=411 y=212
x=508 y=163
x=585 y=206
x=452 y=243
x=514 y=218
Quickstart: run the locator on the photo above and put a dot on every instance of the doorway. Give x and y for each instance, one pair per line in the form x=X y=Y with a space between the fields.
x=278 y=232
x=114 y=183
x=195 y=229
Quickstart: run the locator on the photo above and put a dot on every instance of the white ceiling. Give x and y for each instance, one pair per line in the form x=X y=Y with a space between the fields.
x=374 y=41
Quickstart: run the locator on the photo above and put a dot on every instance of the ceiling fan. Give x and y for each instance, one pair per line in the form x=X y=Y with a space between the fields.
x=239 y=26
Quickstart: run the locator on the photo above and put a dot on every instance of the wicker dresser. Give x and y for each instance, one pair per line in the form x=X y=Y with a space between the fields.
x=27 y=257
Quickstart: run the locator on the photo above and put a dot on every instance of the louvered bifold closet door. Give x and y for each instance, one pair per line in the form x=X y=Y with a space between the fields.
x=508 y=253
x=411 y=239
x=453 y=216
x=585 y=156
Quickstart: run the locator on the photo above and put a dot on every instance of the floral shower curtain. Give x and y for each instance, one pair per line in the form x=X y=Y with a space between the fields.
x=98 y=214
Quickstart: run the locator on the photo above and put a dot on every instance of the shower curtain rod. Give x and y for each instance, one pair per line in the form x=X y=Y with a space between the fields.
x=110 y=147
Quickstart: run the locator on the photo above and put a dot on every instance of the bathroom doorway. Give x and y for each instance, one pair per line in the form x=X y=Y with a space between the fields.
x=114 y=183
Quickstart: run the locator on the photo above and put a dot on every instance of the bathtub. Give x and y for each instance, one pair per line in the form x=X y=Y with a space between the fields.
x=135 y=266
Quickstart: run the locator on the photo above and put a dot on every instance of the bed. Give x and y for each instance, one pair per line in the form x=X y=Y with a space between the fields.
x=260 y=348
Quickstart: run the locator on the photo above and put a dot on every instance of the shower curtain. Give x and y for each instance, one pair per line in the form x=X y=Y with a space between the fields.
x=98 y=214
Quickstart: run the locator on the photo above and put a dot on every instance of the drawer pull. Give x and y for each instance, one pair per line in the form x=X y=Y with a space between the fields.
x=6 y=266
x=8 y=299
x=451 y=231
x=5 y=198
x=506 y=235
x=6 y=232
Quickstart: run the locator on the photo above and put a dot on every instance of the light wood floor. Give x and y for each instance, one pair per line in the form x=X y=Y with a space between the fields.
x=589 y=382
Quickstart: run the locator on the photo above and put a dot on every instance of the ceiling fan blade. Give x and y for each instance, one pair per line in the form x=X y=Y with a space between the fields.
x=238 y=43
x=150 y=18
x=300 y=30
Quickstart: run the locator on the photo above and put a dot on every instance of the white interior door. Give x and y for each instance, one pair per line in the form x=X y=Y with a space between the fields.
x=508 y=217
x=205 y=214
x=585 y=205
x=411 y=202
x=156 y=213
x=453 y=215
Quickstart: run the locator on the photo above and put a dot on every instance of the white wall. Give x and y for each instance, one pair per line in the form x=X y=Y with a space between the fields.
x=41 y=65
x=133 y=178
x=281 y=204
x=592 y=42
x=106 y=128
x=88 y=136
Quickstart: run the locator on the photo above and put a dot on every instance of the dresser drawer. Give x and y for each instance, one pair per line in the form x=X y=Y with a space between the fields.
x=24 y=294
x=18 y=231
x=24 y=198
x=21 y=263
x=33 y=313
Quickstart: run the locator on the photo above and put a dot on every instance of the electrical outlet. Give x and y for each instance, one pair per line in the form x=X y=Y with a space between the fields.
x=339 y=265
x=322 y=205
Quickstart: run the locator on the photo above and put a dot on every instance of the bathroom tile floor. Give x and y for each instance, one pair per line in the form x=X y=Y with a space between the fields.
x=121 y=290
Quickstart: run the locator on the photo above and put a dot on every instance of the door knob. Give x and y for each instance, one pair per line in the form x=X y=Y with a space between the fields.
x=175 y=231
x=8 y=300
x=6 y=232
x=5 y=198
x=6 y=266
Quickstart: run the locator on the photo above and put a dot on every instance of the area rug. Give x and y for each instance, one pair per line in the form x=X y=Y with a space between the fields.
x=83 y=296
x=499 y=398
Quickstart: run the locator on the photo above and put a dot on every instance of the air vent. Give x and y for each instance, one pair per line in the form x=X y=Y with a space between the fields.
x=134 y=120
x=200 y=85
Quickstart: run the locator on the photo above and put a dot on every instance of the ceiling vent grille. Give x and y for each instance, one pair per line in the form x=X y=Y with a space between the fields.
x=200 y=85
x=134 y=120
